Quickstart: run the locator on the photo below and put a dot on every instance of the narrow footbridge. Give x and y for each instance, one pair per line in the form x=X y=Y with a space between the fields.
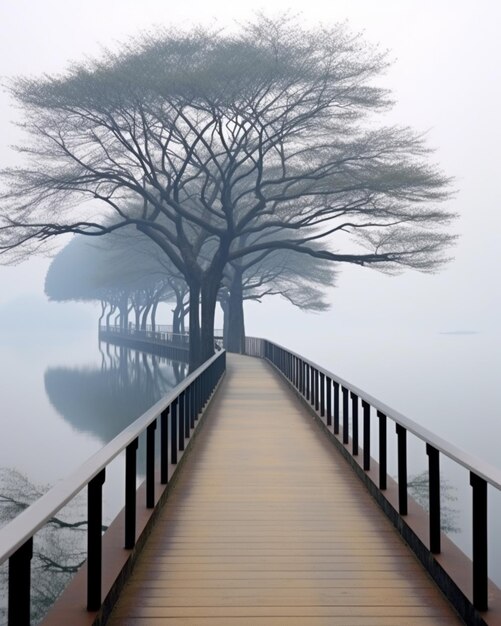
x=264 y=508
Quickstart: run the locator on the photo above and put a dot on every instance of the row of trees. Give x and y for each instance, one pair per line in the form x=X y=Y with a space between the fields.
x=127 y=273
x=225 y=149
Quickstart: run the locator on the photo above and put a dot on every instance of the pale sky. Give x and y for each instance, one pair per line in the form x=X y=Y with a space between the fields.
x=445 y=78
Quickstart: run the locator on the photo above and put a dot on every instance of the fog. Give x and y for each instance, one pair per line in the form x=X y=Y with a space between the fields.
x=427 y=344
x=444 y=79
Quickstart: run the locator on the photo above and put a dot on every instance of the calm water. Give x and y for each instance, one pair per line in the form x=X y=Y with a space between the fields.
x=64 y=396
x=448 y=383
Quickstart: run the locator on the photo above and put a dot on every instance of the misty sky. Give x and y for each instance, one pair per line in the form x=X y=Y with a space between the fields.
x=445 y=79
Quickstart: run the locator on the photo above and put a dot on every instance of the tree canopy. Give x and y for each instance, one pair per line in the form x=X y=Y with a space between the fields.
x=232 y=144
x=125 y=271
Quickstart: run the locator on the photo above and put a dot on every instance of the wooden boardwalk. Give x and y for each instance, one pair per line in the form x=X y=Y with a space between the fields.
x=268 y=525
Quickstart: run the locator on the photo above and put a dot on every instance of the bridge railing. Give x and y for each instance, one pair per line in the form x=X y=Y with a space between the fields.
x=177 y=339
x=334 y=399
x=254 y=346
x=159 y=337
x=168 y=328
x=182 y=405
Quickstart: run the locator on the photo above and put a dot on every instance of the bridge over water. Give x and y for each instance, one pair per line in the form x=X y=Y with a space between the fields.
x=265 y=509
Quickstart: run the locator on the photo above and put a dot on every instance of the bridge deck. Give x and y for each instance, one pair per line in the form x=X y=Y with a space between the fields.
x=268 y=525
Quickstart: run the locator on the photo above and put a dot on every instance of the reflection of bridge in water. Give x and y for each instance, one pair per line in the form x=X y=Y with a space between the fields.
x=104 y=400
x=161 y=342
x=266 y=521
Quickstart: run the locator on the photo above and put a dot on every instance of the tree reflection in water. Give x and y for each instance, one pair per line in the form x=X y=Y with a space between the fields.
x=59 y=547
x=101 y=401
x=419 y=486
x=105 y=401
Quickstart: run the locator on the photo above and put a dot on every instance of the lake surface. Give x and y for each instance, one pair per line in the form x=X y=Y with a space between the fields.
x=449 y=383
x=64 y=396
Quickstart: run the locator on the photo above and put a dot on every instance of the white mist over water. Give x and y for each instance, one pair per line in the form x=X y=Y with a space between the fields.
x=64 y=396
x=382 y=334
x=447 y=382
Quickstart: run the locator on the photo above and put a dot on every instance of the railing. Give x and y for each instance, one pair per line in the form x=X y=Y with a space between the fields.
x=331 y=396
x=254 y=346
x=177 y=341
x=157 y=336
x=159 y=328
x=165 y=328
x=178 y=412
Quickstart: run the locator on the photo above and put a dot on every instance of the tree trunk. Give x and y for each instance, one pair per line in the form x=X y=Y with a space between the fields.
x=175 y=320
x=144 y=319
x=211 y=283
x=236 y=327
x=210 y=290
x=108 y=317
x=137 y=316
x=177 y=313
x=103 y=311
x=124 y=312
x=223 y=301
x=154 y=315
x=195 y=354
x=185 y=309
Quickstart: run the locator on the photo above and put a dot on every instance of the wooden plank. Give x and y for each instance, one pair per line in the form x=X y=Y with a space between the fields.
x=401 y=620
x=287 y=611
x=268 y=525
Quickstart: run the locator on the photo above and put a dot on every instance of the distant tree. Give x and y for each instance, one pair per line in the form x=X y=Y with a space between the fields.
x=301 y=279
x=219 y=137
x=125 y=272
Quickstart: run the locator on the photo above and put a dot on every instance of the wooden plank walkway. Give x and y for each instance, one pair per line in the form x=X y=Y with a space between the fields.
x=268 y=525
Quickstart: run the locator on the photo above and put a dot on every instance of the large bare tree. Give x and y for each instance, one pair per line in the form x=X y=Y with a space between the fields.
x=301 y=279
x=222 y=137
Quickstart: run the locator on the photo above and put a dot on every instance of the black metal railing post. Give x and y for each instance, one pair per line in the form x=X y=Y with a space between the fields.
x=20 y=585
x=173 y=432
x=383 y=452
x=164 y=446
x=322 y=394
x=198 y=402
x=402 y=468
x=187 y=414
x=367 y=434
x=94 y=540
x=336 y=407
x=354 y=423
x=346 y=435
x=130 y=494
x=192 y=405
x=328 y=389
x=205 y=388
x=317 y=390
x=480 y=572
x=150 y=465
x=434 y=497
x=181 y=420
